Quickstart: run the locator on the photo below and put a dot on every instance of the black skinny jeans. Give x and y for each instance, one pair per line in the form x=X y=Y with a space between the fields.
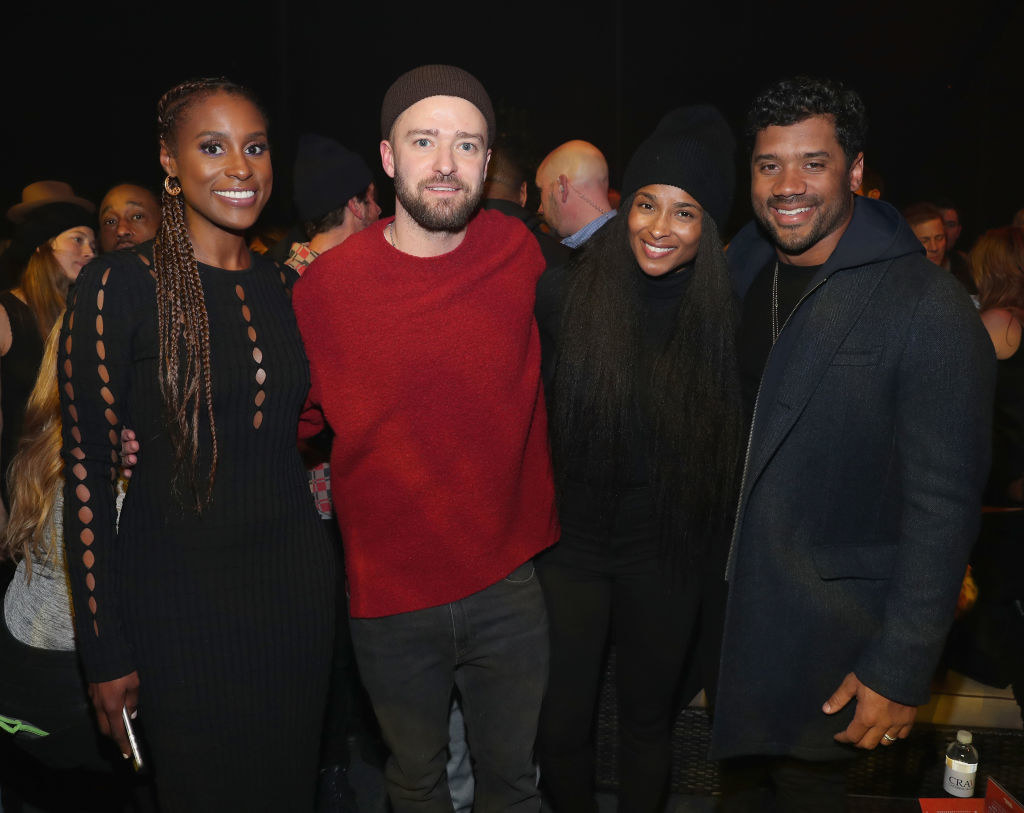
x=601 y=586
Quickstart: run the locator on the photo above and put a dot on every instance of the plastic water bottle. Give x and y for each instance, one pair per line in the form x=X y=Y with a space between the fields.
x=961 y=766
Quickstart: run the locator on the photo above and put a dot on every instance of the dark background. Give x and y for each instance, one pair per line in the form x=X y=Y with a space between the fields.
x=943 y=80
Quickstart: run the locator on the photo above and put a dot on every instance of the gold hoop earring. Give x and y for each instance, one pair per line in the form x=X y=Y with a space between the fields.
x=173 y=191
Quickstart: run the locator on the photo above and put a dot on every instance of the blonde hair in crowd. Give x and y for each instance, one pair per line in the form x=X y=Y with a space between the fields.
x=45 y=286
x=37 y=468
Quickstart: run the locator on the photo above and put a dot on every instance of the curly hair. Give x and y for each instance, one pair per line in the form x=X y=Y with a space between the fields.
x=182 y=322
x=37 y=468
x=791 y=101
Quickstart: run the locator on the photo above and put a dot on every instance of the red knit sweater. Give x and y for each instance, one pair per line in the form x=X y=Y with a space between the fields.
x=428 y=370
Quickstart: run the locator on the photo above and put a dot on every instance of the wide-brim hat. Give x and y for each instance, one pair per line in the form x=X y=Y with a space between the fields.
x=41 y=193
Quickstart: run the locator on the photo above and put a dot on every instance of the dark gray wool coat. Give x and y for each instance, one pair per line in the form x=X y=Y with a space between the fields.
x=861 y=493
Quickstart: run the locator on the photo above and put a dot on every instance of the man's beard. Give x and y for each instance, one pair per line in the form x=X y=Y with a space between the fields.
x=793 y=242
x=440 y=215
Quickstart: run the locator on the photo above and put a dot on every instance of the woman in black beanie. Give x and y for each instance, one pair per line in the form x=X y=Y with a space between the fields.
x=643 y=397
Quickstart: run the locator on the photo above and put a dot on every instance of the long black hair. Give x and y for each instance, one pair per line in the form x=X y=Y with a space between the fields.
x=686 y=392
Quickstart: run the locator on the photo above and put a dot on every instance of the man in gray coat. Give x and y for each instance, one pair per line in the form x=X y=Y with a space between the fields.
x=868 y=379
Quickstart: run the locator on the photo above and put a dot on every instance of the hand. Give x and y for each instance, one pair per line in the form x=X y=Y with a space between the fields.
x=108 y=698
x=875 y=715
x=129 y=449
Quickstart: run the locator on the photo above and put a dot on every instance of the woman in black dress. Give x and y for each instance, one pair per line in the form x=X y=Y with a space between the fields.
x=640 y=371
x=210 y=610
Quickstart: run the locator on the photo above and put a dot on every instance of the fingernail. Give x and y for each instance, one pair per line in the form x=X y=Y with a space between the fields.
x=134 y=714
x=126 y=756
x=827 y=708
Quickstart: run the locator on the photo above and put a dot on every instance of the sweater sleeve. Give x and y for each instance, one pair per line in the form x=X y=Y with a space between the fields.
x=93 y=371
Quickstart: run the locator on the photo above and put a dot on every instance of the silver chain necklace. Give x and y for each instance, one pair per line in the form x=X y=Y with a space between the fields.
x=775 y=304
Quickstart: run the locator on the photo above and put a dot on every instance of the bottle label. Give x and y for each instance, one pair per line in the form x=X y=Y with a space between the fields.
x=959 y=778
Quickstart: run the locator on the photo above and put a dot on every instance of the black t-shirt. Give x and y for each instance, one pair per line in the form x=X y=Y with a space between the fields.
x=755 y=334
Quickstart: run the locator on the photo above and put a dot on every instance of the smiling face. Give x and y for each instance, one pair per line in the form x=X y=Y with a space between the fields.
x=222 y=161
x=664 y=228
x=802 y=188
x=438 y=156
x=73 y=249
x=129 y=215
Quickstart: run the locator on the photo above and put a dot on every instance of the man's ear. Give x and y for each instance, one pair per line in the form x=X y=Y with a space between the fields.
x=387 y=158
x=356 y=207
x=563 y=187
x=523 y=194
x=857 y=172
x=167 y=161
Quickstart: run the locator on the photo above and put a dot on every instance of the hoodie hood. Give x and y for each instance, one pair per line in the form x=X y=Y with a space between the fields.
x=877 y=232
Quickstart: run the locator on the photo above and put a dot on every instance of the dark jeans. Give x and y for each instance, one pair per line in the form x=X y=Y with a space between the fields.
x=492 y=645
x=600 y=585
x=764 y=784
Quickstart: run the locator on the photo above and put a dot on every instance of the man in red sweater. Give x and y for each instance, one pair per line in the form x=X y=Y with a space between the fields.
x=425 y=359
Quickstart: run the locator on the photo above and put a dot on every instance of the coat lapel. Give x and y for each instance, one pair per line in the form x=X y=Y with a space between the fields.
x=802 y=355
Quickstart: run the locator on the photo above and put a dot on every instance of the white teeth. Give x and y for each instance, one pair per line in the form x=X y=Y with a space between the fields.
x=793 y=211
x=236 y=194
x=658 y=249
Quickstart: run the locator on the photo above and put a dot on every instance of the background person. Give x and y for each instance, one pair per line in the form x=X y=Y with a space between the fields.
x=573 y=184
x=41 y=683
x=58 y=240
x=994 y=627
x=129 y=215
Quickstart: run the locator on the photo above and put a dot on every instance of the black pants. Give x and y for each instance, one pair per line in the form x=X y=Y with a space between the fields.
x=600 y=586
x=763 y=784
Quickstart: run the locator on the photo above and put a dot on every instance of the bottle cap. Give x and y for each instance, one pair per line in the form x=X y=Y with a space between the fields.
x=964 y=737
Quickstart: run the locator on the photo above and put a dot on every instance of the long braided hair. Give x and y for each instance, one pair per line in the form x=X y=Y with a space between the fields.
x=182 y=322
x=686 y=391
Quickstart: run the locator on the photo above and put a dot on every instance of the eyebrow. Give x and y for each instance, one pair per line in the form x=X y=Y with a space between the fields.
x=110 y=206
x=435 y=133
x=681 y=204
x=769 y=156
x=218 y=134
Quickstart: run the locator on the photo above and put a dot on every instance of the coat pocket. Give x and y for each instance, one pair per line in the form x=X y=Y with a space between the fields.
x=854 y=561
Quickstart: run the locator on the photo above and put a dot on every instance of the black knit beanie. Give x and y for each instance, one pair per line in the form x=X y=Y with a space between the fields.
x=327 y=175
x=434 y=80
x=45 y=223
x=692 y=148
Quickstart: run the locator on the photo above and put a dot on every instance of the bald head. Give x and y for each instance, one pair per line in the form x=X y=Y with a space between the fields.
x=573 y=185
x=129 y=215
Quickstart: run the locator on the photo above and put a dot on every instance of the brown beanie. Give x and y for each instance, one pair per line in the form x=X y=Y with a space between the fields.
x=434 y=80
